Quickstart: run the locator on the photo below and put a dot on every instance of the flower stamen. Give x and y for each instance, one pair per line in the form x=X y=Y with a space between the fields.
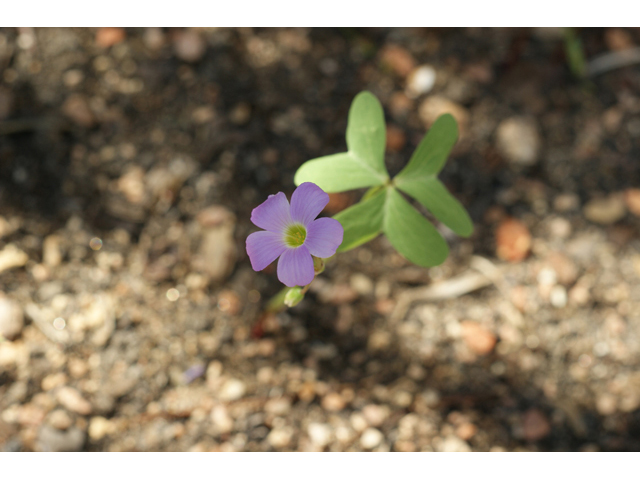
x=295 y=235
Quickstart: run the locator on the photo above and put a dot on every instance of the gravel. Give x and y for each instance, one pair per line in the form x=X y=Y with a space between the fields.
x=130 y=318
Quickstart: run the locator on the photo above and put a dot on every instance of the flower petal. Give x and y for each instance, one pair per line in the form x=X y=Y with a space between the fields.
x=273 y=214
x=307 y=202
x=263 y=248
x=295 y=267
x=324 y=236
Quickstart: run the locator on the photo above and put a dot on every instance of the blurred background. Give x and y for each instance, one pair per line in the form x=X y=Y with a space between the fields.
x=131 y=320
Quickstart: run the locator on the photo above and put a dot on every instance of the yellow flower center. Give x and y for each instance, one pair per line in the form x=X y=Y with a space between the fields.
x=295 y=235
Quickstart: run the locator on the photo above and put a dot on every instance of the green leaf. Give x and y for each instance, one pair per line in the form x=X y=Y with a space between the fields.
x=366 y=133
x=429 y=157
x=337 y=173
x=361 y=222
x=363 y=165
x=418 y=178
x=412 y=235
x=434 y=196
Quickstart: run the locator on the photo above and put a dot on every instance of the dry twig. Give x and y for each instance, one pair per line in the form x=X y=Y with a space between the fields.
x=468 y=282
x=613 y=60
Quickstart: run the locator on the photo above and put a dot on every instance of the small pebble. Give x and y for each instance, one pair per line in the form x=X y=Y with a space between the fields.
x=605 y=211
x=566 y=202
x=606 y=404
x=433 y=106
x=72 y=78
x=466 y=430
x=371 y=438
x=618 y=39
x=358 y=422
x=560 y=228
x=279 y=437
x=375 y=414
x=479 y=339
x=404 y=446
x=51 y=253
x=53 y=380
x=51 y=439
x=379 y=340
x=11 y=318
x=558 y=296
x=221 y=419
x=153 y=38
x=420 y=81
x=400 y=105
x=564 y=267
x=12 y=257
x=402 y=399
x=333 y=402
x=72 y=400
x=100 y=427
x=278 y=406
x=398 y=59
x=632 y=199
x=109 y=36
x=579 y=295
x=59 y=419
x=320 y=434
x=518 y=140
x=189 y=46
x=513 y=240
x=232 y=389
x=396 y=139
x=453 y=444
x=240 y=114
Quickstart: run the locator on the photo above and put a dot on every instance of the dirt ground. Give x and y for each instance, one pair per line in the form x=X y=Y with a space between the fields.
x=131 y=320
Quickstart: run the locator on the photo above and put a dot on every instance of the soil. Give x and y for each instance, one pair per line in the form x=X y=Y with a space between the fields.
x=131 y=320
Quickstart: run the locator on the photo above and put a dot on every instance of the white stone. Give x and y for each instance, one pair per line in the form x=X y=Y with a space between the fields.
x=221 y=419
x=12 y=257
x=232 y=389
x=453 y=444
x=361 y=284
x=421 y=80
x=375 y=414
x=371 y=438
x=100 y=427
x=279 y=437
x=558 y=296
x=518 y=140
x=320 y=434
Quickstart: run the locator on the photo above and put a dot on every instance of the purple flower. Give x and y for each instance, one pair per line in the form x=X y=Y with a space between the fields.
x=291 y=233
